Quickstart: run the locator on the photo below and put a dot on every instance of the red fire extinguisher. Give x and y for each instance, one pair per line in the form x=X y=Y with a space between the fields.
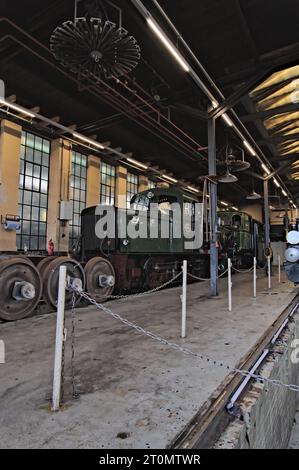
x=51 y=248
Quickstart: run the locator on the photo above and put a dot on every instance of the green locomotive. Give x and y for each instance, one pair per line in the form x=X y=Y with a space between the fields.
x=147 y=261
x=143 y=249
x=129 y=263
x=241 y=238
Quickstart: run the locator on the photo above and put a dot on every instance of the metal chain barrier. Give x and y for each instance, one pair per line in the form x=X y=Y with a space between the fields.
x=184 y=350
x=206 y=278
x=141 y=294
x=242 y=270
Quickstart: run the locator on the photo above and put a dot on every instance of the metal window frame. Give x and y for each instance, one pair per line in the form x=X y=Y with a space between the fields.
x=30 y=238
x=106 y=189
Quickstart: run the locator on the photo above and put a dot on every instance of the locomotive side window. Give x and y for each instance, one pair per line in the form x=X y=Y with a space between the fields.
x=236 y=220
x=140 y=203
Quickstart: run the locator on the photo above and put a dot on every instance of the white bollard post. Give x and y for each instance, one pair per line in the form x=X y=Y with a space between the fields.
x=279 y=271
x=184 y=299
x=269 y=272
x=229 y=281
x=254 y=277
x=59 y=340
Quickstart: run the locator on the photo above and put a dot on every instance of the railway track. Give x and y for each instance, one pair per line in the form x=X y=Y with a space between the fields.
x=206 y=426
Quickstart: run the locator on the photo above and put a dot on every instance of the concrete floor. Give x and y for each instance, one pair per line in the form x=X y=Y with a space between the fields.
x=135 y=393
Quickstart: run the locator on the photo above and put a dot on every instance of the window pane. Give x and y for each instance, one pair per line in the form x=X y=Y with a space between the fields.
x=33 y=243
x=38 y=158
x=29 y=155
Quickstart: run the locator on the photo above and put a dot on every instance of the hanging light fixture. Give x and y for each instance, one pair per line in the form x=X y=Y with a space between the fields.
x=95 y=48
x=228 y=178
x=253 y=195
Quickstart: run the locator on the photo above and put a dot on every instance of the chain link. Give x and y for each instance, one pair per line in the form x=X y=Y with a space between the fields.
x=184 y=350
x=242 y=270
x=141 y=294
x=206 y=279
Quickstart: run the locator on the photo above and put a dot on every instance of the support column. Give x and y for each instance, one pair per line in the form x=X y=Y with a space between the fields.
x=121 y=187
x=143 y=183
x=59 y=190
x=213 y=216
x=93 y=181
x=10 y=155
x=266 y=213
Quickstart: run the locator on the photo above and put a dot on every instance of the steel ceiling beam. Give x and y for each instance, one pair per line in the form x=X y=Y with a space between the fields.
x=236 y=97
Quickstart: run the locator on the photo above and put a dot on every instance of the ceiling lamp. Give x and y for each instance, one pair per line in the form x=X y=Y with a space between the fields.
x=233 y=162
x=253 y=196
x=169 y=179
x=169 y=46
x=228 y=178
x=93 y=47
x=17 y=108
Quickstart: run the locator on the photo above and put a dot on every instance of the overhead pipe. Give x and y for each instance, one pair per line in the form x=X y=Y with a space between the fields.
x=145 y=115
x=96 y=92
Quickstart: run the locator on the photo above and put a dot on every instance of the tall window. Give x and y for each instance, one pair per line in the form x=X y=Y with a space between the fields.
x=107 y=184
x=132 y=187
x=151 y=184
x=33 y=192
x=78 y=183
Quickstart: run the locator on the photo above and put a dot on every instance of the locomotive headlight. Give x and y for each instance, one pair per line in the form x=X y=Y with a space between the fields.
x=125 y=242
x=293 y=237
x=292 y=254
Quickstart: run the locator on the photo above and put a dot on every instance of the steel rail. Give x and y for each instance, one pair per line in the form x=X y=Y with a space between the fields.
x=206 y=426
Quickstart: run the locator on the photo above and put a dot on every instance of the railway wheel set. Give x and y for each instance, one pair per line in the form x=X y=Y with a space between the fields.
x=24 y=285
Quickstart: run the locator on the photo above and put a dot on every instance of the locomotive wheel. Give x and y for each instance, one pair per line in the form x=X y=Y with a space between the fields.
x=100 y=278
x=51 y=279
x=21 y=288
x=41 y=266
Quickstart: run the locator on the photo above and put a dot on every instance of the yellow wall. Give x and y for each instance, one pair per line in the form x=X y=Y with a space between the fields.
x=121 y=187
x=10 y=155
x=93 y=181
x=143 y=183
x=255 y=210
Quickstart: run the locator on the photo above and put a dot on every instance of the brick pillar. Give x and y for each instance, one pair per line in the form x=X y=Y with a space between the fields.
x=143 y=183
x=59 y=190
x=121 y=187
x=10 y=155
x=93 y=181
